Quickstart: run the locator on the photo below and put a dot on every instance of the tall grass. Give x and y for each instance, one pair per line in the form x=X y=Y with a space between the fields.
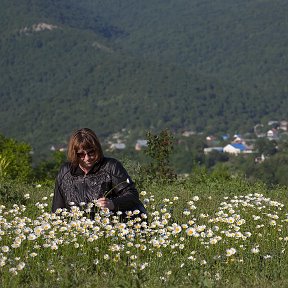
x=201 y=232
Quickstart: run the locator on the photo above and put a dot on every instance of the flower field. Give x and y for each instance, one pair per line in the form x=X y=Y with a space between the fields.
x=200 y=233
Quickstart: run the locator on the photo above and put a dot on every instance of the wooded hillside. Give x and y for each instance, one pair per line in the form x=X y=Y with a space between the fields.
x=200 y=65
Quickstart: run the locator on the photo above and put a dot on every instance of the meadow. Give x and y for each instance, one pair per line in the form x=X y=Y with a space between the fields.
x=202 y=231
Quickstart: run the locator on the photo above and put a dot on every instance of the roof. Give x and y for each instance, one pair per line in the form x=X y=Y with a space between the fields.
x=239 y=146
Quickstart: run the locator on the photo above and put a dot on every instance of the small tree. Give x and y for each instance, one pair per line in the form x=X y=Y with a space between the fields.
x=17 y=163
x=159 y=148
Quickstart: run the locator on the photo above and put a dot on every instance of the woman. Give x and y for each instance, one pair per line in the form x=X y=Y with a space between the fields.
x=89 y=176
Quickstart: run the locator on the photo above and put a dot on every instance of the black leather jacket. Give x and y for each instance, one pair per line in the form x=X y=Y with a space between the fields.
x=73 y=187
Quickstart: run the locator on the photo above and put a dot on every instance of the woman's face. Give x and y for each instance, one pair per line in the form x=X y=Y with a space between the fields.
x=87 y=158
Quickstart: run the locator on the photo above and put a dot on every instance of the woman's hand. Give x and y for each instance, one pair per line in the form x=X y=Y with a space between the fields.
x=105 y=203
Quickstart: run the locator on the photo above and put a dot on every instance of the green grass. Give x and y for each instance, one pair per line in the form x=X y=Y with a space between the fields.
x=202 y=232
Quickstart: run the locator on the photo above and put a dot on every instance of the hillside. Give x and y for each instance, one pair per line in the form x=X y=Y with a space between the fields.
x=214 y=66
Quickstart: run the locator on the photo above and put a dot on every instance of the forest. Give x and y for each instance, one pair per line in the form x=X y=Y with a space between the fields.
x=213 y=66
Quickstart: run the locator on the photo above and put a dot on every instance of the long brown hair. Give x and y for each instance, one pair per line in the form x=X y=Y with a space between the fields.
x=83 y=139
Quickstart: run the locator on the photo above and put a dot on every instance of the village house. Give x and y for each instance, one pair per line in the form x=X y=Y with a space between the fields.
x=236 y=148
x=117 y=146
x=272 y=134
x=284 y=125
x=140 y=144
x=210 y=149
x=188 y=133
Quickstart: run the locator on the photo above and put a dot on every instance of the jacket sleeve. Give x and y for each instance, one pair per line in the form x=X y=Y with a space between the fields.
x=58 y=201
x=126 y=195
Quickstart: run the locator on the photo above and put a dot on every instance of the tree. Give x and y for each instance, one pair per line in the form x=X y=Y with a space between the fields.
x=17 y=160
x=159 y=148
x=47 y=169
x=265 y=146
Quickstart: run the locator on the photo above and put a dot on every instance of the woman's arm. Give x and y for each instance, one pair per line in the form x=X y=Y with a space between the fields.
x=126 y=196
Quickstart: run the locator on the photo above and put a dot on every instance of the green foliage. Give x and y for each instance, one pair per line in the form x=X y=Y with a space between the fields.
x=4 y=163
x=215 y=157
x=159 y=149
x=48 y=169
x=265 y=146
x=12 y=192
x=140 y=65
x=188 y=153
x=272 y=171
x=16 y=162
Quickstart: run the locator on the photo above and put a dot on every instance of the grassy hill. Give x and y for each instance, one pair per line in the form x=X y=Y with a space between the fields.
x=214 y=66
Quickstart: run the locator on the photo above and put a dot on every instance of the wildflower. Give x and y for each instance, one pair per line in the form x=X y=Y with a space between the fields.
x=195 y=198
x=54 y=246
x=186 y=212
x=143 y=247
x=143 y=266
x=31 y=237
x=213 y=241
x=5 y=249
x=163 y=210
x=13 y=270
x=230 y=252
x=272 y=222
x=191 y=222
x=200 y=228
x=133 y=257
x=217 y=276
x=176 y=229
x=256 y=217
x=143 y=193
x=230 y=220
x=20 y=266
x=166 y=216
x=38 y=230
x=159 y=254
x=241 y=222
x=96 y=261
x=3 y=261
x=255 y=250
